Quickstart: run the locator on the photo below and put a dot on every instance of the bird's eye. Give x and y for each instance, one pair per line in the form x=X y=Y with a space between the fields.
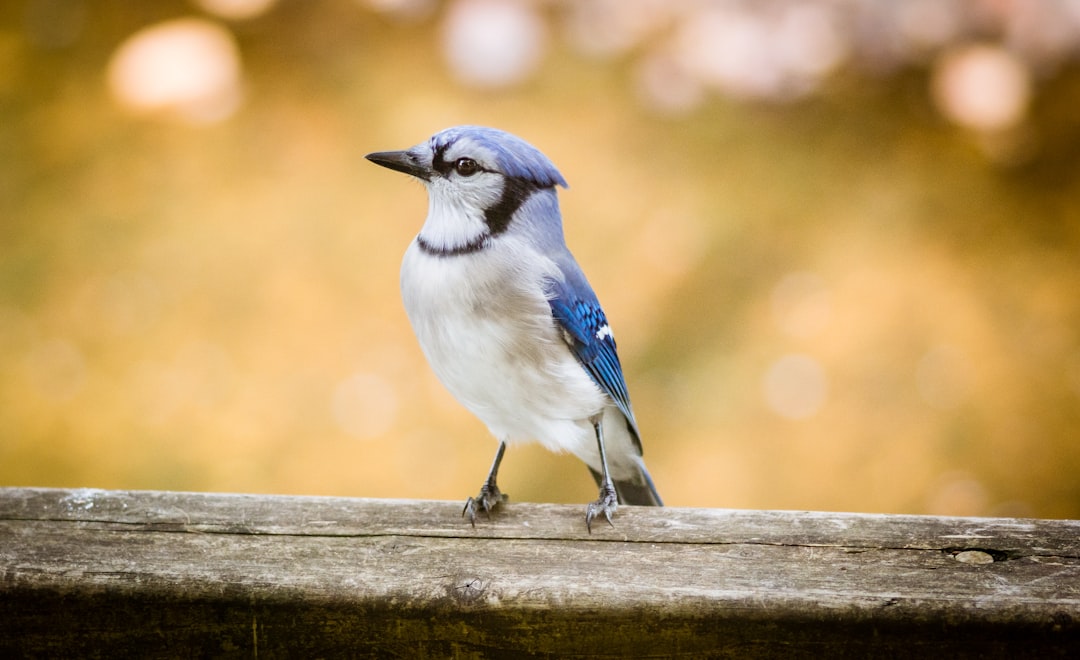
x=466 y=166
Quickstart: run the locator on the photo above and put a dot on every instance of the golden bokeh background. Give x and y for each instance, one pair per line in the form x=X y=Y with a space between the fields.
x=839 y=242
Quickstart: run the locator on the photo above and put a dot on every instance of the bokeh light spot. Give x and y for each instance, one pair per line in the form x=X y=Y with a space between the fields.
x=605 y=28
x=493 y=43
x=403 y=10
x=729 y=50
x=810 y=43
x=796 y=386
x=236 y=10
x=189 y=68
x=985 y=88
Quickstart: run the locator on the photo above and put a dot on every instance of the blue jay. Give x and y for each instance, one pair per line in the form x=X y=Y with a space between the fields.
x=505 y=315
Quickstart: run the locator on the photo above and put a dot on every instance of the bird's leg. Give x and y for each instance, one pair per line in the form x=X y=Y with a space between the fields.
x=490 y=495
x=608 y=501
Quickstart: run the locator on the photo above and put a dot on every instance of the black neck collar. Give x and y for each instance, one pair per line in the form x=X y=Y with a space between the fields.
x=475 y=245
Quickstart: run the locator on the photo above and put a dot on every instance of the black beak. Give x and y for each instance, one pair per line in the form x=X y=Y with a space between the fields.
x=401 y=161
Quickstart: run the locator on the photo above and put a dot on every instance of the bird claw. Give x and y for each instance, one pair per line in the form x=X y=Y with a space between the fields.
x=490 y=496
x=607 y=504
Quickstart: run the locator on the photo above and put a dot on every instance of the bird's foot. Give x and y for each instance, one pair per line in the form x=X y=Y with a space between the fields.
x=490 y=496
x=606 y=504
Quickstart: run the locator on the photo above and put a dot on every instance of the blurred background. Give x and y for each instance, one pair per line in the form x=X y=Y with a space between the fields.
x=839 y=241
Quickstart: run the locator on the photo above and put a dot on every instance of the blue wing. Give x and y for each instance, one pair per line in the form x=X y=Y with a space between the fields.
x=577 y=311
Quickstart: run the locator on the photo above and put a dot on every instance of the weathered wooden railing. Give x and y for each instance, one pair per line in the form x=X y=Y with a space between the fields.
x=91 y=573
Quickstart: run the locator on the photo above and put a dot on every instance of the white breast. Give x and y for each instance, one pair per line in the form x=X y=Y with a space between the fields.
x=484 y=324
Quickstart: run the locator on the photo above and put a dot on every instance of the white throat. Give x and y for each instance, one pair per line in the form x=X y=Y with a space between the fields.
x=452 y=222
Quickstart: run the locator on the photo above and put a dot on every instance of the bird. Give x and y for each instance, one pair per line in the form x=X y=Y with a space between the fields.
x=506 y=318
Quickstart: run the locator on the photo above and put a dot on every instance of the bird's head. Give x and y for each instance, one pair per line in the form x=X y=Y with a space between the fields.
x=477 y=179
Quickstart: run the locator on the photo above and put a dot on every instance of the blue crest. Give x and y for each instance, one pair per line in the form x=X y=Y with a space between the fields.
x=516 y=157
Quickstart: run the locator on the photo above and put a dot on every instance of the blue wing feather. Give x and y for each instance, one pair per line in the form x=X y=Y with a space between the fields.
x=579 y=314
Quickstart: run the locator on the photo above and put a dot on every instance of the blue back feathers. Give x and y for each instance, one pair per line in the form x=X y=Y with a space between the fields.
x=516 y=157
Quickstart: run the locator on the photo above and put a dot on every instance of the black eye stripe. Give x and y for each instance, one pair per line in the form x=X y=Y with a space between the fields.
x=438 y=162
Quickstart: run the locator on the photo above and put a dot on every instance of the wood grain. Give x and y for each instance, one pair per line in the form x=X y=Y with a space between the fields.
x=158 y=574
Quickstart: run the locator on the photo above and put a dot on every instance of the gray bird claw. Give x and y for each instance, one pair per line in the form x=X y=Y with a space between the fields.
x=490 y=496
x=606 y=504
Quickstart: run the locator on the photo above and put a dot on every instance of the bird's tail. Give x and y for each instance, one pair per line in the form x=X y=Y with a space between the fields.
x=637 y=490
